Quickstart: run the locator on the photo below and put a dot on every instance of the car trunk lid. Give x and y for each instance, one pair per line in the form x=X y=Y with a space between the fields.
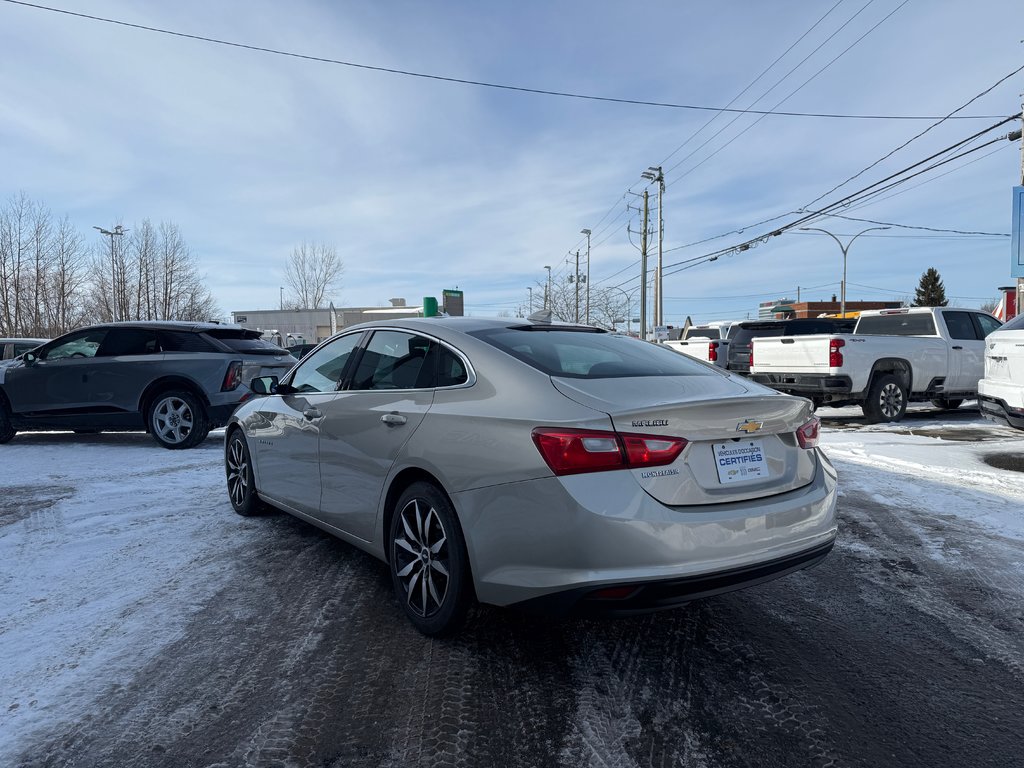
x=741 y=440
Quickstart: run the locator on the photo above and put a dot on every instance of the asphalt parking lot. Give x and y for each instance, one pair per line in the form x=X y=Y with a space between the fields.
x=160 y=629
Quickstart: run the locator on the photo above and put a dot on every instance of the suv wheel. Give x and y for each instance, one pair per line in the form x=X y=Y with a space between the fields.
x=178 y=420
x=7 y=432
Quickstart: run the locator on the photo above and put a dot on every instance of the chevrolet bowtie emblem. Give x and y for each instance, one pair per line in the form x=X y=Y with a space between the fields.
x=748 y=426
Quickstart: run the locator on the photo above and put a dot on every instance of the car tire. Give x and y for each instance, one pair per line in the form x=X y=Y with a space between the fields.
x=240 y=477
x=7 y=432
x=428 y=560
x=178 y=420
x=947 y=404
x=887 y=400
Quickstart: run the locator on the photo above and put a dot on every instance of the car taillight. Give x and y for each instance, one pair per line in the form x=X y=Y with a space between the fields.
x=835 y=357
x=713 y=351
x=574 y=451
x=807 y=435
x=751 y=355
x=233 y=377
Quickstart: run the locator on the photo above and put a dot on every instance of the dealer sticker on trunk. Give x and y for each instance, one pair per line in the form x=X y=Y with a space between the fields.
x=740 y=460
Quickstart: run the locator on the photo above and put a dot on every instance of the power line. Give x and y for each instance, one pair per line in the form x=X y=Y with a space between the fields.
x=910 y=226
x=477 y=83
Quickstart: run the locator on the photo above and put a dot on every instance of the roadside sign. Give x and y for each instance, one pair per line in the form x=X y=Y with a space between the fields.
x=661 y=333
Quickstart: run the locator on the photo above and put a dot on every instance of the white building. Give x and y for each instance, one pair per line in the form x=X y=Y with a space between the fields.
x=288 y=327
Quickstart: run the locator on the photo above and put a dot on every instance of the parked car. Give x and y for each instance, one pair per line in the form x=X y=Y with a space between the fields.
x=742 y=335
x=11 y=348
x=174 y=380
x=529 y=463
x=893 y=356
x=1001 y=391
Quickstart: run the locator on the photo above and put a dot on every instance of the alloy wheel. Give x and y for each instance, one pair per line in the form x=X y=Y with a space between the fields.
x=172 y=420
x=420 y=557
x=238 y=473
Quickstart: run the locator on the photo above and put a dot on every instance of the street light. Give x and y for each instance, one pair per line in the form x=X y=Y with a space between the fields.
x=118 y=231
x=530 y=289
x=282 y=297
x=845 y=249
x=547 y=291
x=587 y=233
x=629 y=313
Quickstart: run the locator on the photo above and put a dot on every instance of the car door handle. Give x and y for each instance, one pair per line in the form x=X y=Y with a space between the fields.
x=312 y=413
x=393 y=419
x=957 y=347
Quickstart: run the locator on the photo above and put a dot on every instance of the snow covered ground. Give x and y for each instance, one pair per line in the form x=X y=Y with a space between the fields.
x=109 y=543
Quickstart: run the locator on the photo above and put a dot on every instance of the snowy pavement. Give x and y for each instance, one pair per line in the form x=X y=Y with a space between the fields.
x=142 y=623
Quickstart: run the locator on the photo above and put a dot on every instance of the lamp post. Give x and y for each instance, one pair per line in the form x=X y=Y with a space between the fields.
x=547 y=290
x=282 y=297
x=118 y=231
x=628 y=312
x=845 y=249
x=530 y=289
x=587 y=233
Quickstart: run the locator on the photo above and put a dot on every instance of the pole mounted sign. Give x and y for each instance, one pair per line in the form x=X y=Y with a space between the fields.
x=1017 y=238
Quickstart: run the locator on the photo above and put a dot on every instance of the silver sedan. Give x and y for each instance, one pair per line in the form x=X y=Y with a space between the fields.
x=534 y=464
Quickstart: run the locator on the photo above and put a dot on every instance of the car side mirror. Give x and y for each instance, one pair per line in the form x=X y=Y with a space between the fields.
x=264 y=385
x=30 y=359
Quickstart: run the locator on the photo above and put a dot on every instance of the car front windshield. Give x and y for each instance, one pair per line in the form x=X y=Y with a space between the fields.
x=584 y=354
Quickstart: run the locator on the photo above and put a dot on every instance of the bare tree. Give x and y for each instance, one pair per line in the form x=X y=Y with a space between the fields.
x=312 y=272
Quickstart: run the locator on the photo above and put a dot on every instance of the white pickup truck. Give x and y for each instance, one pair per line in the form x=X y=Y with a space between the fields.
x=708 y=343
x=893 y=356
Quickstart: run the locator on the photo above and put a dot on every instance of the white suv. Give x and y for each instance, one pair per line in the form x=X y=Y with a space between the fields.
x=1001 y=392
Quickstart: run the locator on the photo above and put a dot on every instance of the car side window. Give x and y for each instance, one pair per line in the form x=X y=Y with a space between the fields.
x=393 y=360
x=987 y=324
x=83 y=344
x=128 y=341
x=451 y=371
x=322 y=370
x=959 y=325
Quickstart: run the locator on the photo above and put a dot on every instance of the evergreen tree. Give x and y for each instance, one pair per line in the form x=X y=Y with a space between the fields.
x=930 y=291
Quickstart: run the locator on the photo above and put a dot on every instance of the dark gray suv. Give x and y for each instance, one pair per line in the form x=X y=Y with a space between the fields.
x=175 y=380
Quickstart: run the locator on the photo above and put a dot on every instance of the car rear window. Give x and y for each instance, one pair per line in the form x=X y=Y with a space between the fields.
x=703 y=333
x=744 y=334
x=917 y=324
x=185 y=341
x=590 y=355
x=1015 y=324
x=245 y=341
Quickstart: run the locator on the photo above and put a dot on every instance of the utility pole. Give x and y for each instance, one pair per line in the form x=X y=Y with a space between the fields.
x=577 y=286
x=118 y=231
x=1020 y=138
x=530 y=289
x=654 y=173
x=587 y=233
x=282 y=297
x=643 y=272
x=547 y=289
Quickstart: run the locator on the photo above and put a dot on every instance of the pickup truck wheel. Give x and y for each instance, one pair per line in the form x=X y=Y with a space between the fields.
x=947 y=405
x=887 y=400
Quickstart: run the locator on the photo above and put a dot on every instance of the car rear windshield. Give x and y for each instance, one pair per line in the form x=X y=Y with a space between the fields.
x=245 y=341
x=745 y=333
x=583 y=354
x=1015 y=324
x=917 y=324
x=703 y=333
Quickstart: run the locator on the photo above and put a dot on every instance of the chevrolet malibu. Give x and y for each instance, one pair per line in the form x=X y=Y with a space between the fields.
x=534 y=464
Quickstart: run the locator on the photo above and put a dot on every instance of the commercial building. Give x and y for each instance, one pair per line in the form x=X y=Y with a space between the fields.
x=786 y=308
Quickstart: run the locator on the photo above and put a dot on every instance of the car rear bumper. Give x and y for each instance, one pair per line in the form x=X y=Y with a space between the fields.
x=805 y=383
x=553 y=542
x=997 y=410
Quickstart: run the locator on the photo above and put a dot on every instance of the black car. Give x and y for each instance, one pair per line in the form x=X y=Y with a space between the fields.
x=741 y=334
x=175 y=380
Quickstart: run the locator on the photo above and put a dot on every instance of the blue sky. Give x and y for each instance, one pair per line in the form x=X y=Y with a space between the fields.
x=425 y=185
